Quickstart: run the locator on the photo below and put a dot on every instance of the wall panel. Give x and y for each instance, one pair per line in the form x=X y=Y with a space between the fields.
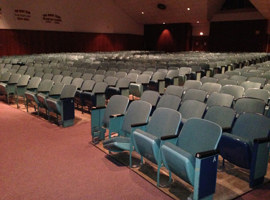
x=167 y=37
x=18 y=42
x=245 y=36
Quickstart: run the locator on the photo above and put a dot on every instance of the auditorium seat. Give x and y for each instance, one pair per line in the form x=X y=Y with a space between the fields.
x=248 y=104
x=191 y=108
x=137 y=116
x=31 y=96
x=8 y=88
x=100 y=116
x=63 y=106
x=192 y=156
x=221 y=115
x=247 y=146
x=164 y=122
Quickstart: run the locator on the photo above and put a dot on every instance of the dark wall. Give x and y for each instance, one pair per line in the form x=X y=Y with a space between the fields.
x=18 y=42
x=200 y=43
x=167 y=37
x=238 y=36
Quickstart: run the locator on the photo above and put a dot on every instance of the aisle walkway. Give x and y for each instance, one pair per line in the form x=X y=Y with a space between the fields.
x=39 y=160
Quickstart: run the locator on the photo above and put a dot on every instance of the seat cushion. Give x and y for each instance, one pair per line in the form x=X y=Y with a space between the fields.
x=117 y=144
x=146 y=144
x=178 y=161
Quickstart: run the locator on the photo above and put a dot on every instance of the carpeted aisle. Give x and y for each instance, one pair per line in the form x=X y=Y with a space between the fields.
x=39 y=160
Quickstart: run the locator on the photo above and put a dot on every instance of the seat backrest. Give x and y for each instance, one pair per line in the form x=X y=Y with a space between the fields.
x=250 y=126
x=223 y=116
x=47 y=76
x=121 y=74
x=39 y=74
x=184 y=70
x=5 y=77
x=77 y=82
x=158 y=76
x=110 y=73
x=175 y=90
x=192 y=108
x=267 y=87
x=66 y=73
x=219 y=99
x=260 y=80
x=211 y=87
x=169 y=101
x=238 y=78
x=192 y=84
x=88 y=85
x=172 y=73
x=56 y=89
x=111 y=80
x=68 y=91
x=258 y=93
x=137 y=112
x=117 y=105
x=67 y=80
x=199 y=135
x=57 y=78
x=45 y=85
x=236 y=91
x=123 y=83
x=227 y=82
x=87 y=76
x=34 y=83
x=195 y=94
x=151 y=97
x=100 y=87
x=164 y=121
x=248 y=84
x=132 y=77
x=221 y=76
x=14 y=78
x=76 y=74
x=98 y=77
x=143 y=78
x=206 y=79
x=23 y=81
x=248 y=104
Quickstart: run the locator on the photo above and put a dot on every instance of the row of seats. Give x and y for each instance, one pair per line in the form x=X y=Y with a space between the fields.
x=157 y=139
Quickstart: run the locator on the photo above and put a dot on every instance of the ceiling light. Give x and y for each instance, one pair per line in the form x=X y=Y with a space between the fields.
x=163 y=23
x=198 y=22
x=188 y=8
x=201 y=33
x=142 y=13
x=161 y=6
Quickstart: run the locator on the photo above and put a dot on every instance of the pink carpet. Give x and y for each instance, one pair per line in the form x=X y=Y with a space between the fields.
x=39 y=160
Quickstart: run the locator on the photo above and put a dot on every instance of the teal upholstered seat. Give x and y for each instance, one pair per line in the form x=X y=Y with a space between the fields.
x=192 y=156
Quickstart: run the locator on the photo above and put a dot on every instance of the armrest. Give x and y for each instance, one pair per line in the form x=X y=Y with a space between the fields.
x=139 y=124
x=262 y=140
x=167 y=137
x=99 y=107
x=116 y=115
x=206 y=154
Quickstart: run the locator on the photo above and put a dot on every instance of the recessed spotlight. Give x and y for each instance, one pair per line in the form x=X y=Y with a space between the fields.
x=198 y=22
x=161 y=6
x=201 y=33
x=188 y=8
x=163 y=23
x=142 y=13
